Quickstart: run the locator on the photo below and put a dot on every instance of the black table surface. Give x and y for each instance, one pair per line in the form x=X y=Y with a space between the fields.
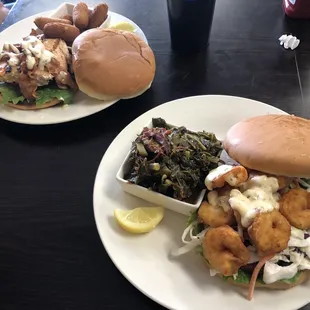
x=51 y=256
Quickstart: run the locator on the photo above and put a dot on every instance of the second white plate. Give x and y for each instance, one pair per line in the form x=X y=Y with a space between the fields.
x=81 y=107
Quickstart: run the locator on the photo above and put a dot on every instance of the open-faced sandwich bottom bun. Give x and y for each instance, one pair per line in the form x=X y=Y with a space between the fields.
x=112 y=64
x=303 y=276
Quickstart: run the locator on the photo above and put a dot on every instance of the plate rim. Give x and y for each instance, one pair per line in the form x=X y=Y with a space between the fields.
x=36 y=121
x=97 y=176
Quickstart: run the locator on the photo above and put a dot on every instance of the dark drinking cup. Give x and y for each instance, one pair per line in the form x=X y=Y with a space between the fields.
x=190 y=23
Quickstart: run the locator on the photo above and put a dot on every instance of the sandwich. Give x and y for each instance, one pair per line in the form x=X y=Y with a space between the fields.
x=34 y=74
x=110 y=64
x=253 y=227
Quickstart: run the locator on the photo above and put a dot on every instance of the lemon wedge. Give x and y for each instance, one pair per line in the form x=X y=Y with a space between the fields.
x=123 y=26
x=139 y=220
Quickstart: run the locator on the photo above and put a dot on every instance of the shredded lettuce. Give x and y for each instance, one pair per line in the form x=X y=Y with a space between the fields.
x=199 y=250
x=192 y=218
x=304 y=183
x=292 y=280
x=242 y=277
x=11 y=94
x=198 y=227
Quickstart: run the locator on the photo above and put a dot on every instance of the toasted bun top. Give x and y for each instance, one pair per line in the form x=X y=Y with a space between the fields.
x=112 y=64
x=275 y=144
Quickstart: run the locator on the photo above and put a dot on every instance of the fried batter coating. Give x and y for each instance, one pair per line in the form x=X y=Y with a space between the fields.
x=98 y=15
x=42 y=21
x=80 y=15
x=216 y=211
x=270 y=232
x=232 y=175
x=224 y=250
x=65 y=32
x=295 y=207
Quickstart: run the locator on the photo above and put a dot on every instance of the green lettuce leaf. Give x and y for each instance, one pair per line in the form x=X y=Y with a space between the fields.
x=192 y=218
x=199 y=250
x=242 y=277
x=292 y=280
x=46 y=94
x=11 y=93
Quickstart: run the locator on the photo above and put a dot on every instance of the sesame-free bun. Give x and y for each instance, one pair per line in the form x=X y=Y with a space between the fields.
x=274 y=144
x=111 y=64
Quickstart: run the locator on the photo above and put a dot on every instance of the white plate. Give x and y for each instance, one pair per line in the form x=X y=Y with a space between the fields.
x=81 y=107
x=183 y=283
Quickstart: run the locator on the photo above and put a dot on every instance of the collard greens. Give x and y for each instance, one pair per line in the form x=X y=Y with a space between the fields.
x=171 y=160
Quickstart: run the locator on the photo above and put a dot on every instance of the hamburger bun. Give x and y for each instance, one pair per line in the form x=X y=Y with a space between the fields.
x=111 y=64
x=27 y=106
x=273 y=144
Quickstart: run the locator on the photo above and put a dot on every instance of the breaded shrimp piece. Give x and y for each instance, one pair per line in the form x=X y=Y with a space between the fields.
x=224 y=250
x=216 y=211
x=226 y=174
x=270 y=233
x=295 y=207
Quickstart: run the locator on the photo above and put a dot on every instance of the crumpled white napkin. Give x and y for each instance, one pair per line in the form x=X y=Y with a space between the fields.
x=289 y=41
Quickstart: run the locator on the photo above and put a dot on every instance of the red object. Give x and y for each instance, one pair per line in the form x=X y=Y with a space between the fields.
x=297 y=8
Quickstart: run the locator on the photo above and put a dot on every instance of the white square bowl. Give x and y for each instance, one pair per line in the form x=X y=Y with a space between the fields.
x=156 y=198
x=67 y=8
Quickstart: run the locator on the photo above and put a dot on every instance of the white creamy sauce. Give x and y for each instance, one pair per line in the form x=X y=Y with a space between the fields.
x=259 y=194
x=217 y=200
x=6 y=46
x=10 y=47
x=14 y=59
x=274 y=272
x=34 y=48
x=297 y=233
x=13 y=52
x=298 y=253
x=294 y=242
x=215 y=174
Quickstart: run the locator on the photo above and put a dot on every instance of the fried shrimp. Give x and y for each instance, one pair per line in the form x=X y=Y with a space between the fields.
x=295 y=207
x=270 y=232
x=216 y=211
x=226 y=174
x=224 y=250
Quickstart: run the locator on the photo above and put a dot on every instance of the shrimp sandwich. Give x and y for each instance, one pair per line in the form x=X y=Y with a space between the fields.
x=253 y=226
